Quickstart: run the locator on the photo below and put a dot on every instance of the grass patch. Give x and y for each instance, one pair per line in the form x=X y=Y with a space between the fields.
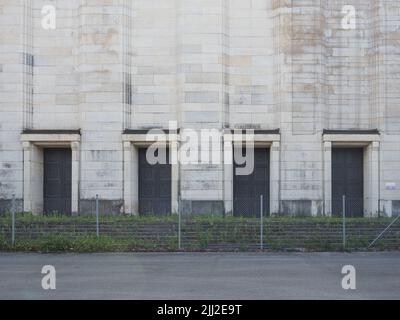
x=59 y=233
x=89 y=244
x=26 y=218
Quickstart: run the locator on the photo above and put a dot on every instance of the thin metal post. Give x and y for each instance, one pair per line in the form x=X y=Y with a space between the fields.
x=344 y=222
x=179 y=224
x=13 y=220
x=97 y=216
x=261 y=224
x=179 y=231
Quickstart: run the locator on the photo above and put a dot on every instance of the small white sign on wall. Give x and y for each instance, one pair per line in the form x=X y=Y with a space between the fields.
x=390 y=186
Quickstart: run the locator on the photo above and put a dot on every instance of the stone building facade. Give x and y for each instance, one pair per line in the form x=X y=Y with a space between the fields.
x=110 y=70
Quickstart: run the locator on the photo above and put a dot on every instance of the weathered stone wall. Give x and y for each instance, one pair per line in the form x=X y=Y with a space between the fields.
x=112 y=65
x=13 y=39
x=56 y=83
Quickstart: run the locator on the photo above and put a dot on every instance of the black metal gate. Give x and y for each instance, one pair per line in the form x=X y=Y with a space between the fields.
x=57 y=181
x=348 y=180
x=154 y=186
x=247 y=189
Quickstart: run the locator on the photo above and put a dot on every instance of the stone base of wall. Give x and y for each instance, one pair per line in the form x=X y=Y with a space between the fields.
x=301 y=208
x=289 y=208
x=106 y=207
x=6 y=204
x=395 y=208
x=202 y=207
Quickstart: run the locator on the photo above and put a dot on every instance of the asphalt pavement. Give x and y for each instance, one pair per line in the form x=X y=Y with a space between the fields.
x=179 y=276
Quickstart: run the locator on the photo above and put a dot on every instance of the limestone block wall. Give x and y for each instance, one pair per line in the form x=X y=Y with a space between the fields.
x=101 y=81
x=349 y=67
x=56 y=80
x=251 y=59
x=113 y=65
x=13 y=37
x=153 y=59
x=202 y=94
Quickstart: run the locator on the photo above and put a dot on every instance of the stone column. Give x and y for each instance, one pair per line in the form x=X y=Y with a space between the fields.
x=33 y=178
x=128 y=155
x=327 y=158
x=174 y=147
x=101 y=105
x=27 y=207
x=275 y=178
x=75 y=169
x=228 y=174
x=374 y=176
x=202 y=94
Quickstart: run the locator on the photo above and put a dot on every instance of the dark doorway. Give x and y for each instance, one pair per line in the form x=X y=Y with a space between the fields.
x=247 y=189
x=57 y=181
x=154 y=186
x=348 y=180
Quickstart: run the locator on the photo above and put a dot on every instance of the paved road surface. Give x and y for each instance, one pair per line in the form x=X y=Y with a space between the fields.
x=200 y=276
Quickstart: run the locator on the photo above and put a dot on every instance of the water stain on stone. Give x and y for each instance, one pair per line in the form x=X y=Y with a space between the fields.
x=105 y=40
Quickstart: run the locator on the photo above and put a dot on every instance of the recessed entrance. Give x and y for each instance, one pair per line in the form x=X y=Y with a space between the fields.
x=154 y=186
x=247 y=189
x=57 y=181
x=348 y=181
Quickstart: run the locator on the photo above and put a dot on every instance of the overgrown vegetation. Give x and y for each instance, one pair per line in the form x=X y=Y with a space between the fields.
x=56 y=233
x=88 y=244
x=5 y=219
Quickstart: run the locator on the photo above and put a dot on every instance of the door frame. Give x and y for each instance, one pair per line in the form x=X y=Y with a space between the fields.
x=132 y=141
x=44 y=150
x=33 y=143
x=266 y=205
x=264 y=139
x=362 y=150
x=371 y=144
x=140 y=178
